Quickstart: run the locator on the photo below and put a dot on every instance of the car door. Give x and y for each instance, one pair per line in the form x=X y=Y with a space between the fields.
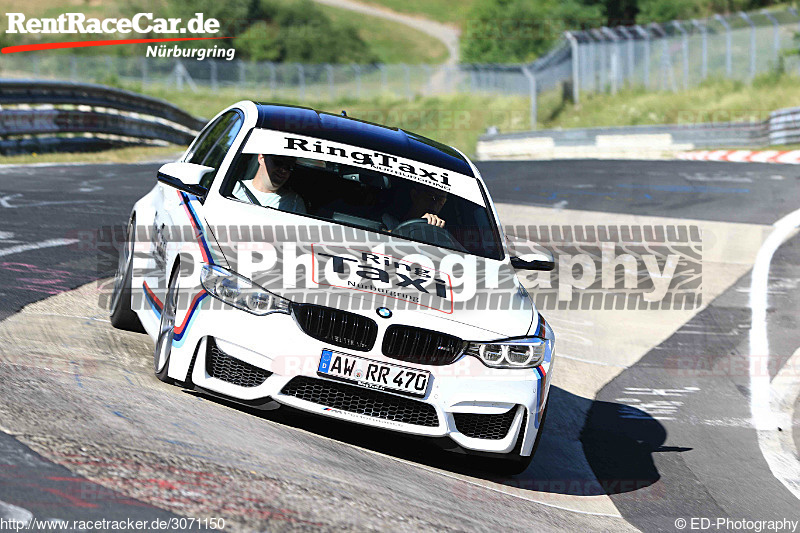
x=179 y=214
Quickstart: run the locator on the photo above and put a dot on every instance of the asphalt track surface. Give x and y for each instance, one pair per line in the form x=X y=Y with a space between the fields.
x=115 y=443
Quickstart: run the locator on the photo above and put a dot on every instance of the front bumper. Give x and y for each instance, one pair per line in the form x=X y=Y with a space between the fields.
x=479 y=408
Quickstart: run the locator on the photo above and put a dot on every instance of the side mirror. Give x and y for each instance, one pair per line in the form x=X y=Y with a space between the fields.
x=185 y=177
x=527 y=255
x=544 y=262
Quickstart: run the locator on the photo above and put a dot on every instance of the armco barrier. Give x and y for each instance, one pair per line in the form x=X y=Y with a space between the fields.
x=52 y=115
x=641 y=142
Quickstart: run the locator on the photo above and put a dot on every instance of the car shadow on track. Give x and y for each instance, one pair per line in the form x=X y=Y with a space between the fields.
x=612 y=454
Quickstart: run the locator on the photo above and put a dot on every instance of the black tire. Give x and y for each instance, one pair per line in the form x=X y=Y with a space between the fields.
x=166 y=330
x=514 y=463
x=122 y=316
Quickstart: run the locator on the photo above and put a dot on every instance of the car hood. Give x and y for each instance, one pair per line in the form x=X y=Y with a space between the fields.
x=314 y=261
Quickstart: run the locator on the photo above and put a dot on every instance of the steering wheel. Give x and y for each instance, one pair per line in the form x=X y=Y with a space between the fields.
x=419 y=230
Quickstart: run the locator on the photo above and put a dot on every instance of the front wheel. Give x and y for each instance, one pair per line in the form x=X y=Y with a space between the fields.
x=122 y=316
x=166 y=330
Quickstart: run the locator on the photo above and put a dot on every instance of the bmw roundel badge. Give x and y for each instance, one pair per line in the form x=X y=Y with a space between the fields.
x=384 y=312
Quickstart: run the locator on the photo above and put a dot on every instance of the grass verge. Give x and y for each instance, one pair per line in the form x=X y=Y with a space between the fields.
x=712 y=101
x=133 y=154
x=457 y=120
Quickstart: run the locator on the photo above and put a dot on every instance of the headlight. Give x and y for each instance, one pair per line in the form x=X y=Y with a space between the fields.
x=517 y=353
x=240 y=292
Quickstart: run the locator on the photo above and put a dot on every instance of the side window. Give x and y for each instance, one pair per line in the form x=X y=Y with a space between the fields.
x=202 y=146
x=223 y=144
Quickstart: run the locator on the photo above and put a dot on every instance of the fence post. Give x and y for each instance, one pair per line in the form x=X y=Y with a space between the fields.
x=776 y=36
x=357 y=70
x=685 y=48
x=408 y=81
x=614 y=58
x=728 y=45
x=143 y=64
x=592 y=61
x=793 y=11
x=73 y=69
x=384 y=78
x=603 y=59
x=301 y=79
x=331 y=87
x=212 y=64
x=629 y=41
x=532 y=88
x=704 y=38
x=273 y=82
x=178 y=75
x=665 y=63
x=242 y=76
x=576 y=81
x=752 y=43
x=646 y=35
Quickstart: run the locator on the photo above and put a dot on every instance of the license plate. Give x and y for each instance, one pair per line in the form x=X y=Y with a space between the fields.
x=373 y=374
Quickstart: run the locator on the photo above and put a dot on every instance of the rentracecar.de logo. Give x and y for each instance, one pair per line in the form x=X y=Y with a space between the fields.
x=67 y=23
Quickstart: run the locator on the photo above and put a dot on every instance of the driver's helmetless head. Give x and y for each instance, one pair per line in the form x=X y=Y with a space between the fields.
x=427 y=200
x=278 y=169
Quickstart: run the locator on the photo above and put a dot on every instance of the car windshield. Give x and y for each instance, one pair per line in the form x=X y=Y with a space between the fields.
x=448 y=213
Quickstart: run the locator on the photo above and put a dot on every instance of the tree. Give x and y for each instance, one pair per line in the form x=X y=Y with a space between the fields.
x=513 y=31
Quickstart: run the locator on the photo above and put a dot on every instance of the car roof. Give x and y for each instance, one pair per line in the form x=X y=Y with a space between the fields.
x=394 y=141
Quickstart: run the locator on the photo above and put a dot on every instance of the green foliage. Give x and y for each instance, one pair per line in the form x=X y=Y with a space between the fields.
x=303 y=33
x=513 y=31
x=666 y=10
x=259 y=42
x=276 y=30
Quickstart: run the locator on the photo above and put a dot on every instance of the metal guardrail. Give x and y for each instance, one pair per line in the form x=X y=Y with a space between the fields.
x=782 y=127
x=47 y=116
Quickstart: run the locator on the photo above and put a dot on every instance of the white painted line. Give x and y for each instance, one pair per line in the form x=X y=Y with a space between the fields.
x=36 y=246
x=784 y=464
x=12 y=512
x=73 y=164
x=589 y=361
x=71 y=316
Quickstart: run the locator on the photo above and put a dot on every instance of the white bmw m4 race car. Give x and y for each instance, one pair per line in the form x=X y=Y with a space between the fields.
x=359 y=272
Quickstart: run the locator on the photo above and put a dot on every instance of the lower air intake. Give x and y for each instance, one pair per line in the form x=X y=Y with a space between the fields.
x=493 y=427
x=362 y=401
x=222 y=366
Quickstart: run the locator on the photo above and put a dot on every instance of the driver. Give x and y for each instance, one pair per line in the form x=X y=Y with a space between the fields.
x=427 y=203
x=269 y=187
